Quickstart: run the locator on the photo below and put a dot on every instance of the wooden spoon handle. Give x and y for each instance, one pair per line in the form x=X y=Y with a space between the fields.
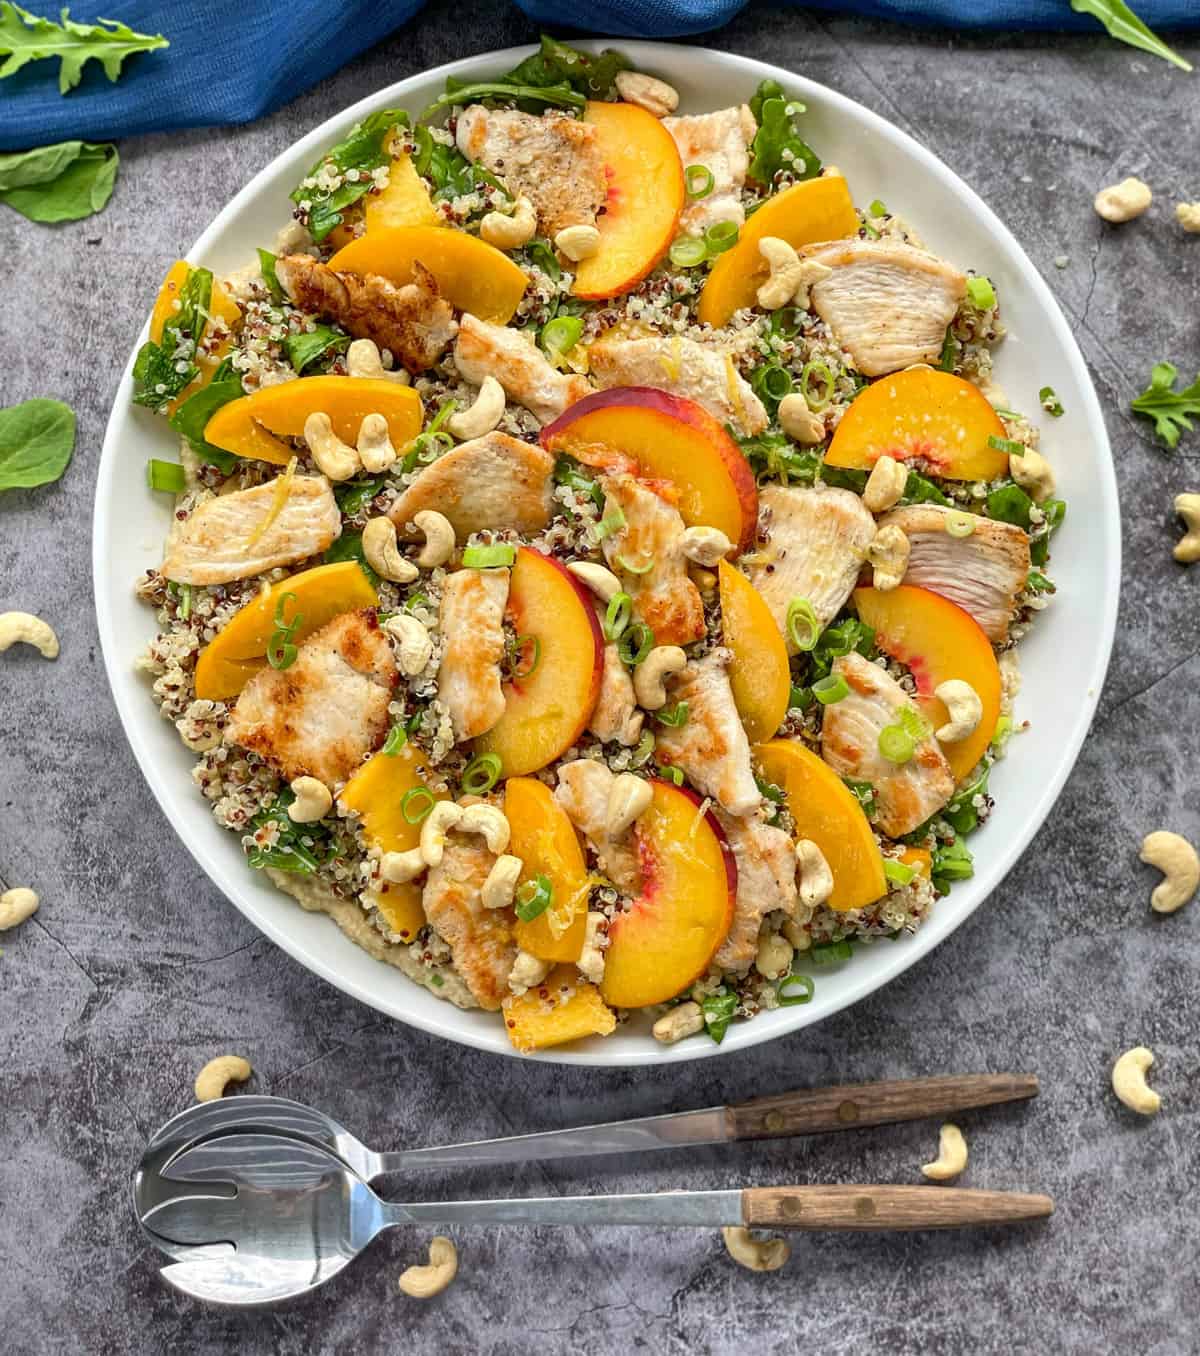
x=886 y=1207
x=811 y=1111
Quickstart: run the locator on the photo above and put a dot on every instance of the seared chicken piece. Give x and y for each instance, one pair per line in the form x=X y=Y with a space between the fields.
x=322 y=715
x=471 y=621
x=766 y=881
x=887 y=303
x=615 y=715
x=217 y=542
x=721 y=143
x=552 y=160
x=682 y=366
x=413 y=321
x=906 y=794
x=663 y=595
x=492 y=482
x=982 y=573
x=518 y=365
x=818 y=541
x=481 y=940
x=711 y=745
x=583 y=790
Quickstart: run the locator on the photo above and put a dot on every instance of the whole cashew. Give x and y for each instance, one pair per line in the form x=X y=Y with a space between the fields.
x=655 y=96
x=425 y=1282
x=510 y=232
x=313 y=801
x=628 y=797
x=965 y=709
x=602 y=582
x=1176 y=858
x=888 y=553
x=16 y=905
x=799 y=422
x=885 y=485
x=414 y=645
x=816 y=879
x=952 y=1156
x=489 y=822
x=704 y=545
x=212 y=1079
x=578 y=242
x=527 y=972
x=1187 y=548
x=756 y=1254
x=784 y=263
x=649 y=674
x=375 y=448
x=24 y=626
x=591 y=956
x=334 y=458
x=436 y=825
x=501 y=883
x=1032 y=472
x=1123 y=201
x=363 y=360
x=383 y=554
x=1187 y=214
x=484 y=414
x=686 y=1019
x=773 y=959
x=439 y=538
x=1129 y=1081
x=401 y=867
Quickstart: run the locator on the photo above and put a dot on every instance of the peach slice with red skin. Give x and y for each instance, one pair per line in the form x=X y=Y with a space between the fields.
x=760 y=676
x=663 y=437
x=547 y=710
x=938 y=641
x=545 y=840
x=920 y=413
x=562 y=1008
x=675 y=926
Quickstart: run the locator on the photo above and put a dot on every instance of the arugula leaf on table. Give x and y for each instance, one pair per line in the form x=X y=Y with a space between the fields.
x=37 y=438
x=778 y=145
x=1124 y=25
x=363 y=150
x=162 y=370
x=555 y=63
x=311 y=346
x=1170 y=409
x=63 y=182
x=26 y=37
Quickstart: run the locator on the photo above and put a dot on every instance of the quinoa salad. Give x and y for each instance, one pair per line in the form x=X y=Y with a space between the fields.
x=599 y=552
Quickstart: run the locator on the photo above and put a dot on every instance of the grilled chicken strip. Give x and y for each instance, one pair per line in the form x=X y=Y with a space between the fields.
x=906 y=794
x=518 y=365
x=552 y=160
x=492 y=482
x=711 y=745
x=664 y=597
x=684 y=367
x=413 y=321
x=322 y=715
x=471 y=621
x=583 y=790
x=818 y=541
x=982 y=573
x=481 y=940
x=615 y=715
x=887 y=303
x=766 y=881
x=721 y=143
x=217 y=541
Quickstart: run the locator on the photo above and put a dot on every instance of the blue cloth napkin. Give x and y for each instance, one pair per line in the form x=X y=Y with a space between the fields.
x=231 y=61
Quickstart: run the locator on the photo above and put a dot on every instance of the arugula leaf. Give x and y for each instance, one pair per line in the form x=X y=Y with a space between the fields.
x=266 y=266
x=192 y=417
x=960 y=812
x=951 y=862
x=309 y=346
x=353 y=495
x=1053 y=512
x=37 y=438
x=718 y=1009
x=1170 y=409
x=458 y=92
x=161 y=371
x=25 y=37
x=450 y=172
x=349 y=547
x=918 y=489
x=363 y=150
x=778 y=144
x=1124 y=25
x=1010 y=504
x=289 y=852
x=65 y=182
x=557 y=64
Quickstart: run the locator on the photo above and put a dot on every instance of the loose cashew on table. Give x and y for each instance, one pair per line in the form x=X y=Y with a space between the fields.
x=427 y=1281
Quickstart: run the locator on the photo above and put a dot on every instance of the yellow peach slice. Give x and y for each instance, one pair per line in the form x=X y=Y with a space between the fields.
x=404 y=202
x=545 y=841
x=221 y=307
x=570 y=1010
x=760 y=677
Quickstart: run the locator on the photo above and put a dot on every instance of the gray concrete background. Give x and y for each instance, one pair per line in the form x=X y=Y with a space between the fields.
x=136 y=970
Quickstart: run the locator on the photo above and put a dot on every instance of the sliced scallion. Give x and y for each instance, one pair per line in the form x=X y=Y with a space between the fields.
x=981 y=292
x=698 y=180
x=824 y=375
x=416 y=803
x=445 y=410
x=167 y=476
x=802 y=624
x=795 y=989
x=687 y=251
x=635 y=566
x=896 y=744
x=671 y=773
x=721 y=236
x=877 y=209
x=489 y=557
x=521 y=669
x=635 y=644
x=959 y=524
x=396 y=740
x=898 y=872
x=533 y=898
x=610 y=523
x=1050 y=402
x=831 y=689
x=481 y=773
x=561 y=334
x=1014 y=449
x=617 y=616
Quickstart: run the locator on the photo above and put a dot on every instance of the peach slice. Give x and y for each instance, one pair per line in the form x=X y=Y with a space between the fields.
x=645 y=198
x=547 y=711
x=221 y=306
x=404 y=202
x=826 y=811
x=471 y=274
x=545 y=841
x=682 y=915
x=760 y=677
x=660 y=436
x=563 y=1008
x=248 y=426
x=921 y=413
x=238 y=651
x=806 y=213
x=938 y=641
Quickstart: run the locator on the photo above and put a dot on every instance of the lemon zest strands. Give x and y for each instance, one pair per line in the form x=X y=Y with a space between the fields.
x=283 y=488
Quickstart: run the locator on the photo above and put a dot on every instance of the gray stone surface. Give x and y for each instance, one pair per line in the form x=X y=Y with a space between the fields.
x=136 y=971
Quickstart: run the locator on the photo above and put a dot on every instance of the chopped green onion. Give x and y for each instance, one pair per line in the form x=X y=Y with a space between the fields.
x=912 y=722
x=635 y=644
x=1050 y=402
x=795 y=989
x=898 y=872
x=518 y=650
x=949 y=358
x=896 y=744
x=831 y=952
x=445 y=410
x=641 y=754
x=687 y=251
x=534 y=897
x=416 y=803
x=610 y=523
x=489 y=557
x=185 y=601
x=877 y=209
x=617 y=616
x=481 y=773
x=396 y=740
x=771 y=382
x=167 y=476
x=675 y=716
x=698 y=180
x=960 y=524
x=825 y=376
x=721 y=236
x=981 y=292
x=281 y=651
x=1001 y=734
x=872 y=233
x=786 y=322
x=830 y=689
x=631 y=568
x=1014 y=449
x=561 y=334
x=671 y=773
x=802 y=624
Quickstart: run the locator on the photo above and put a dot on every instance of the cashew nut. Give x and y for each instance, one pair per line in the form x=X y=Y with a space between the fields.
x=1187 y=548
x=334 y=458
x=591 y=957
x=439 y=538
x=655 y=96
x=799 y=422
x=649 y=675
x=510 y=232
x=816 y=879
x=578 y=242
x=436 y=825
x=375 y=448
x=16 y=905
x=363 y=360
x=756 y=1254
x=704 y=545
x=401 y=867
x=1176 y=858
x=313 y=801
x=888 y=553
x=1129 y=1081
x=425 y=1282
x=603 y=583
x=527 y=972
x=885 y=485
x=628 y=797
x=686 y=1019
x=383 y=554
x=483 y=415
x=24 y=626
x=952 y=1156
x=212 y=1079
x=414 y=645
x=784 y=263
x=964 y=706
x=1123 y=201
x=501 y=883
x=773 y=958
x=1032 y=472
x=488 y=821
x=1187 y=214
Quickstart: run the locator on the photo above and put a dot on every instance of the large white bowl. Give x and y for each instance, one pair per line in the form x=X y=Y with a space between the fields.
x=1063 y=662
